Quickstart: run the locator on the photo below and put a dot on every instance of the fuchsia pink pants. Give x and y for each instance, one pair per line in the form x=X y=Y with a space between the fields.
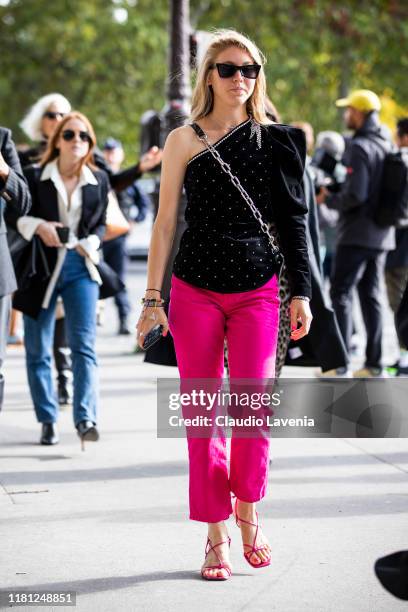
x=199 y=321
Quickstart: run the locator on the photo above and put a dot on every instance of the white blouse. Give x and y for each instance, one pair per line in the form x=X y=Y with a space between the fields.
x=69 y=215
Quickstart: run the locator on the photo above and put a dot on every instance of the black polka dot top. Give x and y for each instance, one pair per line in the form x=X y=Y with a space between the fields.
x=223 y=248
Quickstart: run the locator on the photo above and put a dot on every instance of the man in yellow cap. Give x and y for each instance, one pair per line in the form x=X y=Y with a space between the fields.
x=362 y=100
x=361 y=244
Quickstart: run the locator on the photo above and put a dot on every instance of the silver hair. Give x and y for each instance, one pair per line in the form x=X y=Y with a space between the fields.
x=332 y=142
x=31 y=124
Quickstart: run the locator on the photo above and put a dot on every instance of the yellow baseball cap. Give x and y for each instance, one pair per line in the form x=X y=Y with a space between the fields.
x=362 y=99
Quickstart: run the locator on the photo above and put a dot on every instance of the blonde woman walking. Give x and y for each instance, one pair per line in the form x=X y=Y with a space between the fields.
x=225 y=276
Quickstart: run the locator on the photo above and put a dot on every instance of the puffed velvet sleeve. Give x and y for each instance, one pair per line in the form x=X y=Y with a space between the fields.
x=288 y=203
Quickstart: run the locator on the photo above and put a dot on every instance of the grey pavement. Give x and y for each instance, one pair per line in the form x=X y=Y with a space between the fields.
x=111 y=523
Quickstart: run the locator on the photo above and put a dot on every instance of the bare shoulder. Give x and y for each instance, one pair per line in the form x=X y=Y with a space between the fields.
x=181 y=136
x=180 y=142
x=183 y=142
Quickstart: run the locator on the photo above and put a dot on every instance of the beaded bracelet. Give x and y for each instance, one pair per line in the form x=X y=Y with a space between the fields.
x=158 y=290
x=305 y=298
x=148 y=302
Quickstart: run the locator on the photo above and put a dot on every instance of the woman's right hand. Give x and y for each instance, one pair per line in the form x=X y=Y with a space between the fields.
x=146 y=323
x=48 y=234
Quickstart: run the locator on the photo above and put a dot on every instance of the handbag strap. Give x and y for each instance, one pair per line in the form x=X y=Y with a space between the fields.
x=236 y=182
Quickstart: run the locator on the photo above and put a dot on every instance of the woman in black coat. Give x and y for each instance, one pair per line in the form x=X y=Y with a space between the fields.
x=67 y=224
x=39 y=124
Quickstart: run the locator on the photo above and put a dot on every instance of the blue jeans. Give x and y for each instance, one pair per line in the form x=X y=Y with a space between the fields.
x=79 y=294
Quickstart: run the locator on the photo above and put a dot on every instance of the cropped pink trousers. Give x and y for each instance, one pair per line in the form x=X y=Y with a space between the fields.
x=199 y=321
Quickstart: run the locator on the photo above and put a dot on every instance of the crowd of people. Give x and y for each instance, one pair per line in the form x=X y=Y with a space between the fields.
x=342 y=183
x=354 y=187
x=56 y=196
x=266 y=230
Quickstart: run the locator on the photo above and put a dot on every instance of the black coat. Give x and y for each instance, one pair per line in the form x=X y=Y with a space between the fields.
x=14 y=196
x=402 y=318
x=323 y=346
x=45 y=205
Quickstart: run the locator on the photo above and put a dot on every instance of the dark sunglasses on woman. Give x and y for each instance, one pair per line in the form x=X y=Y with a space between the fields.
x=249 y=71
x=69 y=135
x=52 y=115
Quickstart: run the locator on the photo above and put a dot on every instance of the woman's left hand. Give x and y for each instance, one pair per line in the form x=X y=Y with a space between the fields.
x=300 y=311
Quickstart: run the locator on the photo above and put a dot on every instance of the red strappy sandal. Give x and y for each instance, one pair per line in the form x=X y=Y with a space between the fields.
x=252 y=546
x=221 y=565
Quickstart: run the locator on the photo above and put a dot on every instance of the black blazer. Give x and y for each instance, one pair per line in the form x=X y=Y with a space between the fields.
x=14 y=196
x=45 y=205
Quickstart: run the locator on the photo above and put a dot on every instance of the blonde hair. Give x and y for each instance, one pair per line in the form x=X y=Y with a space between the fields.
x=309 y=133
x=31 y=124
x=202 y=100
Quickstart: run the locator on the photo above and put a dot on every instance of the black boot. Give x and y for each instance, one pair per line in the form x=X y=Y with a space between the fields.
x=123 y=328
x=49 y=434
x=64 y=393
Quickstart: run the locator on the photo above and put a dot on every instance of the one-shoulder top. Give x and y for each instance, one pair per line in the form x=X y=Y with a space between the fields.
x=223 y=248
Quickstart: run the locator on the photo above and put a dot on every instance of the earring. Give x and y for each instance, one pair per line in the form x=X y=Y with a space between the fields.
x=256 y=131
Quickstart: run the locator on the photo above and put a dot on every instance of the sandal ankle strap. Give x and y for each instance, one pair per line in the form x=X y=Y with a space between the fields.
x=208 y=550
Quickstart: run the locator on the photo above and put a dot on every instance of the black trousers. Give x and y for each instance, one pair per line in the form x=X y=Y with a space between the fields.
x=115 y=255
x=5 y=307
x=62 y=352
x=363 y=268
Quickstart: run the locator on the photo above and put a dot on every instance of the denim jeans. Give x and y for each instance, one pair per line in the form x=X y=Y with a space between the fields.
x=79 y=294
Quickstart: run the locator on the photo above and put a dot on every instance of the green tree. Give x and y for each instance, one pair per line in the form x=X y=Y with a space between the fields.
x=109 y=70
x=109 y=57
x=318 y=49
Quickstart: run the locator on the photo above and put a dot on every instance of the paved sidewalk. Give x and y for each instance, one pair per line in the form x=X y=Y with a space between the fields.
x=111 y=523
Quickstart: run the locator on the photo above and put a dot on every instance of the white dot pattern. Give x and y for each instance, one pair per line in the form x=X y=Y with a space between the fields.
x=223 y=247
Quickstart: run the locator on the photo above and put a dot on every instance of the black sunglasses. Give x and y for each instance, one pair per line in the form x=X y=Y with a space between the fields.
x=69 y=135
x=249 y=71
x=52 y=115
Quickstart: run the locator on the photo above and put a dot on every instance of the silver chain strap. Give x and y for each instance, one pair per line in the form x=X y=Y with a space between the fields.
x=234 y=179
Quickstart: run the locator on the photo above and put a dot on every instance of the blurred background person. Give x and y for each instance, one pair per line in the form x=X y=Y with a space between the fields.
x=39 y=124
x=134 y=204
x=362 y=245
x=396 y=267
x=14 y=196
x=328 y=171
x=68 y=215
x=323 y=346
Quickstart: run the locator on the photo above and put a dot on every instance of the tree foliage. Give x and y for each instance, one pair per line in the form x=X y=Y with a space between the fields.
x=319 y=49
x=109 y=57
x=109 y=70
